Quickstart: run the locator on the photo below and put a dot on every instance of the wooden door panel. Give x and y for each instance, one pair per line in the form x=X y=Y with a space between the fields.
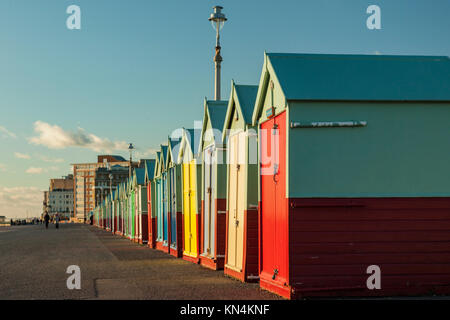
x=207 y=202
x=165 y=205
x=193 y=206
x=186 y=209
x=173 y=208
x=232 y=190
x=212 y=211
x=268 y=208
x=240 y=201
x=281 y=212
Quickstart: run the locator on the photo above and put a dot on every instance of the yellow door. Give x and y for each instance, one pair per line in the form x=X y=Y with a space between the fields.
x=190 y=208
x=241 y=179
x=236 y=201
x=193 y=205
x=186 y=209
x=232 y=204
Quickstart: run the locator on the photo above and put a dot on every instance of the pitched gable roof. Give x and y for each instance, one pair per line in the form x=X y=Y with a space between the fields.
x=173 y=149
x=149 y=169
x=357 y=77
x=139 y=175
x=215 y=111
x=242 y=97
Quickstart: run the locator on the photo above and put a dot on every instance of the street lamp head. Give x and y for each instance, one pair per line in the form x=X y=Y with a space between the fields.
x=217 y=18
x=130 y=147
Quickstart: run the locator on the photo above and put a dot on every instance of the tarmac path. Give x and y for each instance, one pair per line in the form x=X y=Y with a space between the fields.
x=33 y=264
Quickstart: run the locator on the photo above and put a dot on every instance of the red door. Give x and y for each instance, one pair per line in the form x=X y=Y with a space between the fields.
x=274 y=211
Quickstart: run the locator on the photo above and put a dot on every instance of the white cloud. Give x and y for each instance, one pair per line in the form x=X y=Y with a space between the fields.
x=5 y=133
x=17 y=202
x=146 y=153
x=2 y=167
x=55 y=137
x=19 y=155
x=56 y=160
x=34 y=170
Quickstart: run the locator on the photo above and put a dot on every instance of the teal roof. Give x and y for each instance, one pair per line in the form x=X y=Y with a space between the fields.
x=140 y=175
x=174 y=148
x=362 y=77
x=164 y=153
x=246 y=95
x=193 y=136
x=217 y=111
x=150 y=168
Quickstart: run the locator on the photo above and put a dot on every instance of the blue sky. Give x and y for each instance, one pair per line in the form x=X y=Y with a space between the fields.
x=139 y=69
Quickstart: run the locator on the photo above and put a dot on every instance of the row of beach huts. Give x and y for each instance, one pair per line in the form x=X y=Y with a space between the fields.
x=329 y=178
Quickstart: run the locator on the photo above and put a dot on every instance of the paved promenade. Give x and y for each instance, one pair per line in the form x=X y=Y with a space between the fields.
x=33 y=263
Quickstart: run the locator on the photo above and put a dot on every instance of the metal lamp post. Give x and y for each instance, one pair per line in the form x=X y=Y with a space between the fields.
x=130 y=148
x=217 y=19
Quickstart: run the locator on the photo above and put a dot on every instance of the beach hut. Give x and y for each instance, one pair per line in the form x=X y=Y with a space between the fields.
x=141 y=219
x=130 y=210
x=132 y=191
x=162 y=221
x=123 y=208
x=240 y=137
x=114 y=211
x=354 y=179
x=174 y=197
x=213 y=185
x=103 y=214
x=120 y=209
x=108 y=204
x=117 y=209
x=151 y=209
x=191 y=178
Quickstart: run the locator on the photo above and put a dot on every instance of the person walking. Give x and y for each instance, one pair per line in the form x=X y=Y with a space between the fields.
x=46 y=219
x=57 y=221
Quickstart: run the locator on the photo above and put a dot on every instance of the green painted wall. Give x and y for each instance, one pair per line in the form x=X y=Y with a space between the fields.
x=404 y=151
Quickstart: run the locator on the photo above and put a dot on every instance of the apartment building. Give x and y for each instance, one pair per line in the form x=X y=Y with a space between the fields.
x=84 y=192
x=59 y=197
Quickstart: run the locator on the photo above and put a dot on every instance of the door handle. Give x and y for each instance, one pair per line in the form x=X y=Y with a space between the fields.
x=275 y=273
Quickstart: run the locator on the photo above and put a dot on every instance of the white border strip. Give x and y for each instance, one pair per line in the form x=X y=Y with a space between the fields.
x=328 y=124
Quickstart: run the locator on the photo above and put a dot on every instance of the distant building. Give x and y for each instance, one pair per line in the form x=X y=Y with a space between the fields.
x=2 y=219
x=84 y=183
x=59 y=198
x=104 y=183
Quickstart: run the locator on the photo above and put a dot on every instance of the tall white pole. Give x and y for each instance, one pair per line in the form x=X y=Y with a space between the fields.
x=217 y=61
